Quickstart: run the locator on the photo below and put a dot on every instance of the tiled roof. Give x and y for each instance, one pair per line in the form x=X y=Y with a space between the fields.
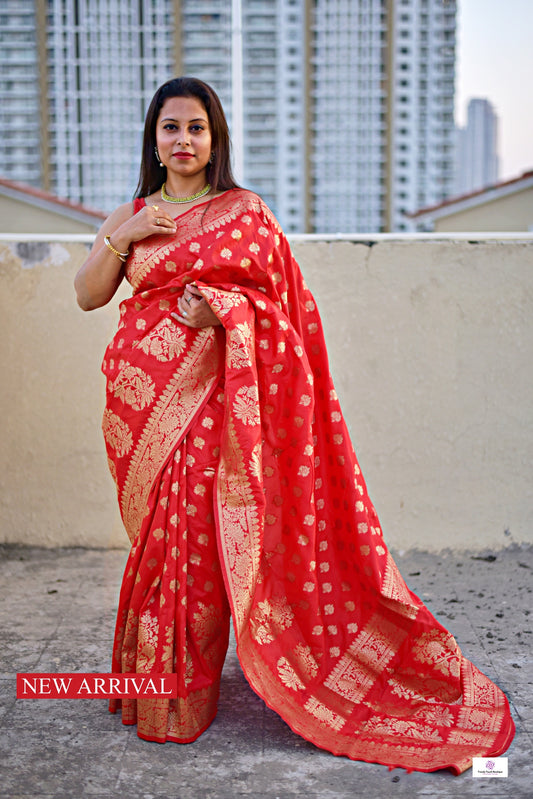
x=495 y=190
x=39 y=197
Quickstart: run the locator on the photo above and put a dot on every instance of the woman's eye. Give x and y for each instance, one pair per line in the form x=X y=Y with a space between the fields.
x=196 y=128
x=169 y=126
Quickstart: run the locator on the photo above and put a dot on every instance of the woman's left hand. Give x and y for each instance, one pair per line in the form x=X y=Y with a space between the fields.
x=194 y=310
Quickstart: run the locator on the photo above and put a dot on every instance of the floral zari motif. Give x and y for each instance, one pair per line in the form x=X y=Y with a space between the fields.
x=242 y=495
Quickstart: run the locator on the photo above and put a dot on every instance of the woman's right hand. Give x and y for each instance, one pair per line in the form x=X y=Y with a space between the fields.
x=100 y=276
x=149 y=221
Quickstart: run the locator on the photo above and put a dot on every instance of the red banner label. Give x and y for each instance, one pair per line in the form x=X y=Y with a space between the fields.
x=96 y=686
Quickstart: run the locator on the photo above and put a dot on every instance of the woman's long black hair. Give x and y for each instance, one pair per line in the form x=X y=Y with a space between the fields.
x=218 y=172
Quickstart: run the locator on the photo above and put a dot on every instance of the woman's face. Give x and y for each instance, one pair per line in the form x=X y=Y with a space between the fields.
x=183 y=136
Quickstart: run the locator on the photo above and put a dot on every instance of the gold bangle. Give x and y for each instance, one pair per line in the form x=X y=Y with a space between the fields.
x=121 y=255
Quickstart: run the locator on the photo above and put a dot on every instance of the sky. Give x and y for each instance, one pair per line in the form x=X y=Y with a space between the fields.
x=495 y=61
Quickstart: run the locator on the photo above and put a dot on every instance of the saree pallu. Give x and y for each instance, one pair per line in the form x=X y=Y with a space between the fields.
x=241 y=494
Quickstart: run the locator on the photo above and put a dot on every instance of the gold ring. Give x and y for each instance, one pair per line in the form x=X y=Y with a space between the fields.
x=158 y=221
x=155 y=207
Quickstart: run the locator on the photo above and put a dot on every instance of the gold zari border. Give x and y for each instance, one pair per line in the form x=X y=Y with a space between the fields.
x=169 y=419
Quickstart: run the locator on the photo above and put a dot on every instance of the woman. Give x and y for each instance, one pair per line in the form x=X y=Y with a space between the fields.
x=239 y=487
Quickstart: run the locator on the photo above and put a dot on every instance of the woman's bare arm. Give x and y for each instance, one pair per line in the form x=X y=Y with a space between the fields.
x=100 y=276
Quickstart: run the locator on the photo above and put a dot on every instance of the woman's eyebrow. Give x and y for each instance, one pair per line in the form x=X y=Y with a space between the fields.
x=171 y=119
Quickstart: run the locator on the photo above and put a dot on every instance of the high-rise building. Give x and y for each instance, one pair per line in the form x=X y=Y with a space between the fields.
x=20 y=118
x=104 y=60
x=349 y=141
x=348 y=104
x=421 y=36
x=274 y=90
x=477 y=148
x=75 y=80
x=346 y=120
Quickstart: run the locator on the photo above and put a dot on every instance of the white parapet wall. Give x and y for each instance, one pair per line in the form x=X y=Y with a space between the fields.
x=431 y=349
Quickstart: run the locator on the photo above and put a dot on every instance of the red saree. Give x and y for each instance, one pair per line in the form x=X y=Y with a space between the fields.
x=241 y=494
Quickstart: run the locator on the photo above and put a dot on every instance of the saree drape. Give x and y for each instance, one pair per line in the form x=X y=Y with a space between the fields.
x=241 y=493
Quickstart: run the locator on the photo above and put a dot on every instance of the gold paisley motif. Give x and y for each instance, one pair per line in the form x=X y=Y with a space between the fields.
x=324 y=714
x=288 y=675
x=208 y=626
x=270 y=618
x=246 y=405
x=117 y=434
x=240 y=346
x=165 y=342
x=134 y=387
x=440 y=650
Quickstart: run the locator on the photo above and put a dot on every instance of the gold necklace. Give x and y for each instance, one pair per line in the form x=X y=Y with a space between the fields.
x=169 y=199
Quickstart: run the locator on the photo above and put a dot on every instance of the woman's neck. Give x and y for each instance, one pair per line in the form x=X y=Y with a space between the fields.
x=180 y=188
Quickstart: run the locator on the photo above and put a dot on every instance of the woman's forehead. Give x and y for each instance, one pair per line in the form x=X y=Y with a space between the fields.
x=183 y=109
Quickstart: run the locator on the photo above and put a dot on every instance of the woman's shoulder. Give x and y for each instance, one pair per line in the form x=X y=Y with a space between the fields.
x=116 y=218
x=246 y=197
x=123 y=212
x=138 y=203
x=249 y=201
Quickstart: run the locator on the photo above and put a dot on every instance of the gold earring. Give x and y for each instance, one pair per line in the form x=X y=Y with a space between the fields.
x=158 y=156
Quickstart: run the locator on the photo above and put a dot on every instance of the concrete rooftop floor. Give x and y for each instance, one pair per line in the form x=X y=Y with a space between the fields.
x=57 y=614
